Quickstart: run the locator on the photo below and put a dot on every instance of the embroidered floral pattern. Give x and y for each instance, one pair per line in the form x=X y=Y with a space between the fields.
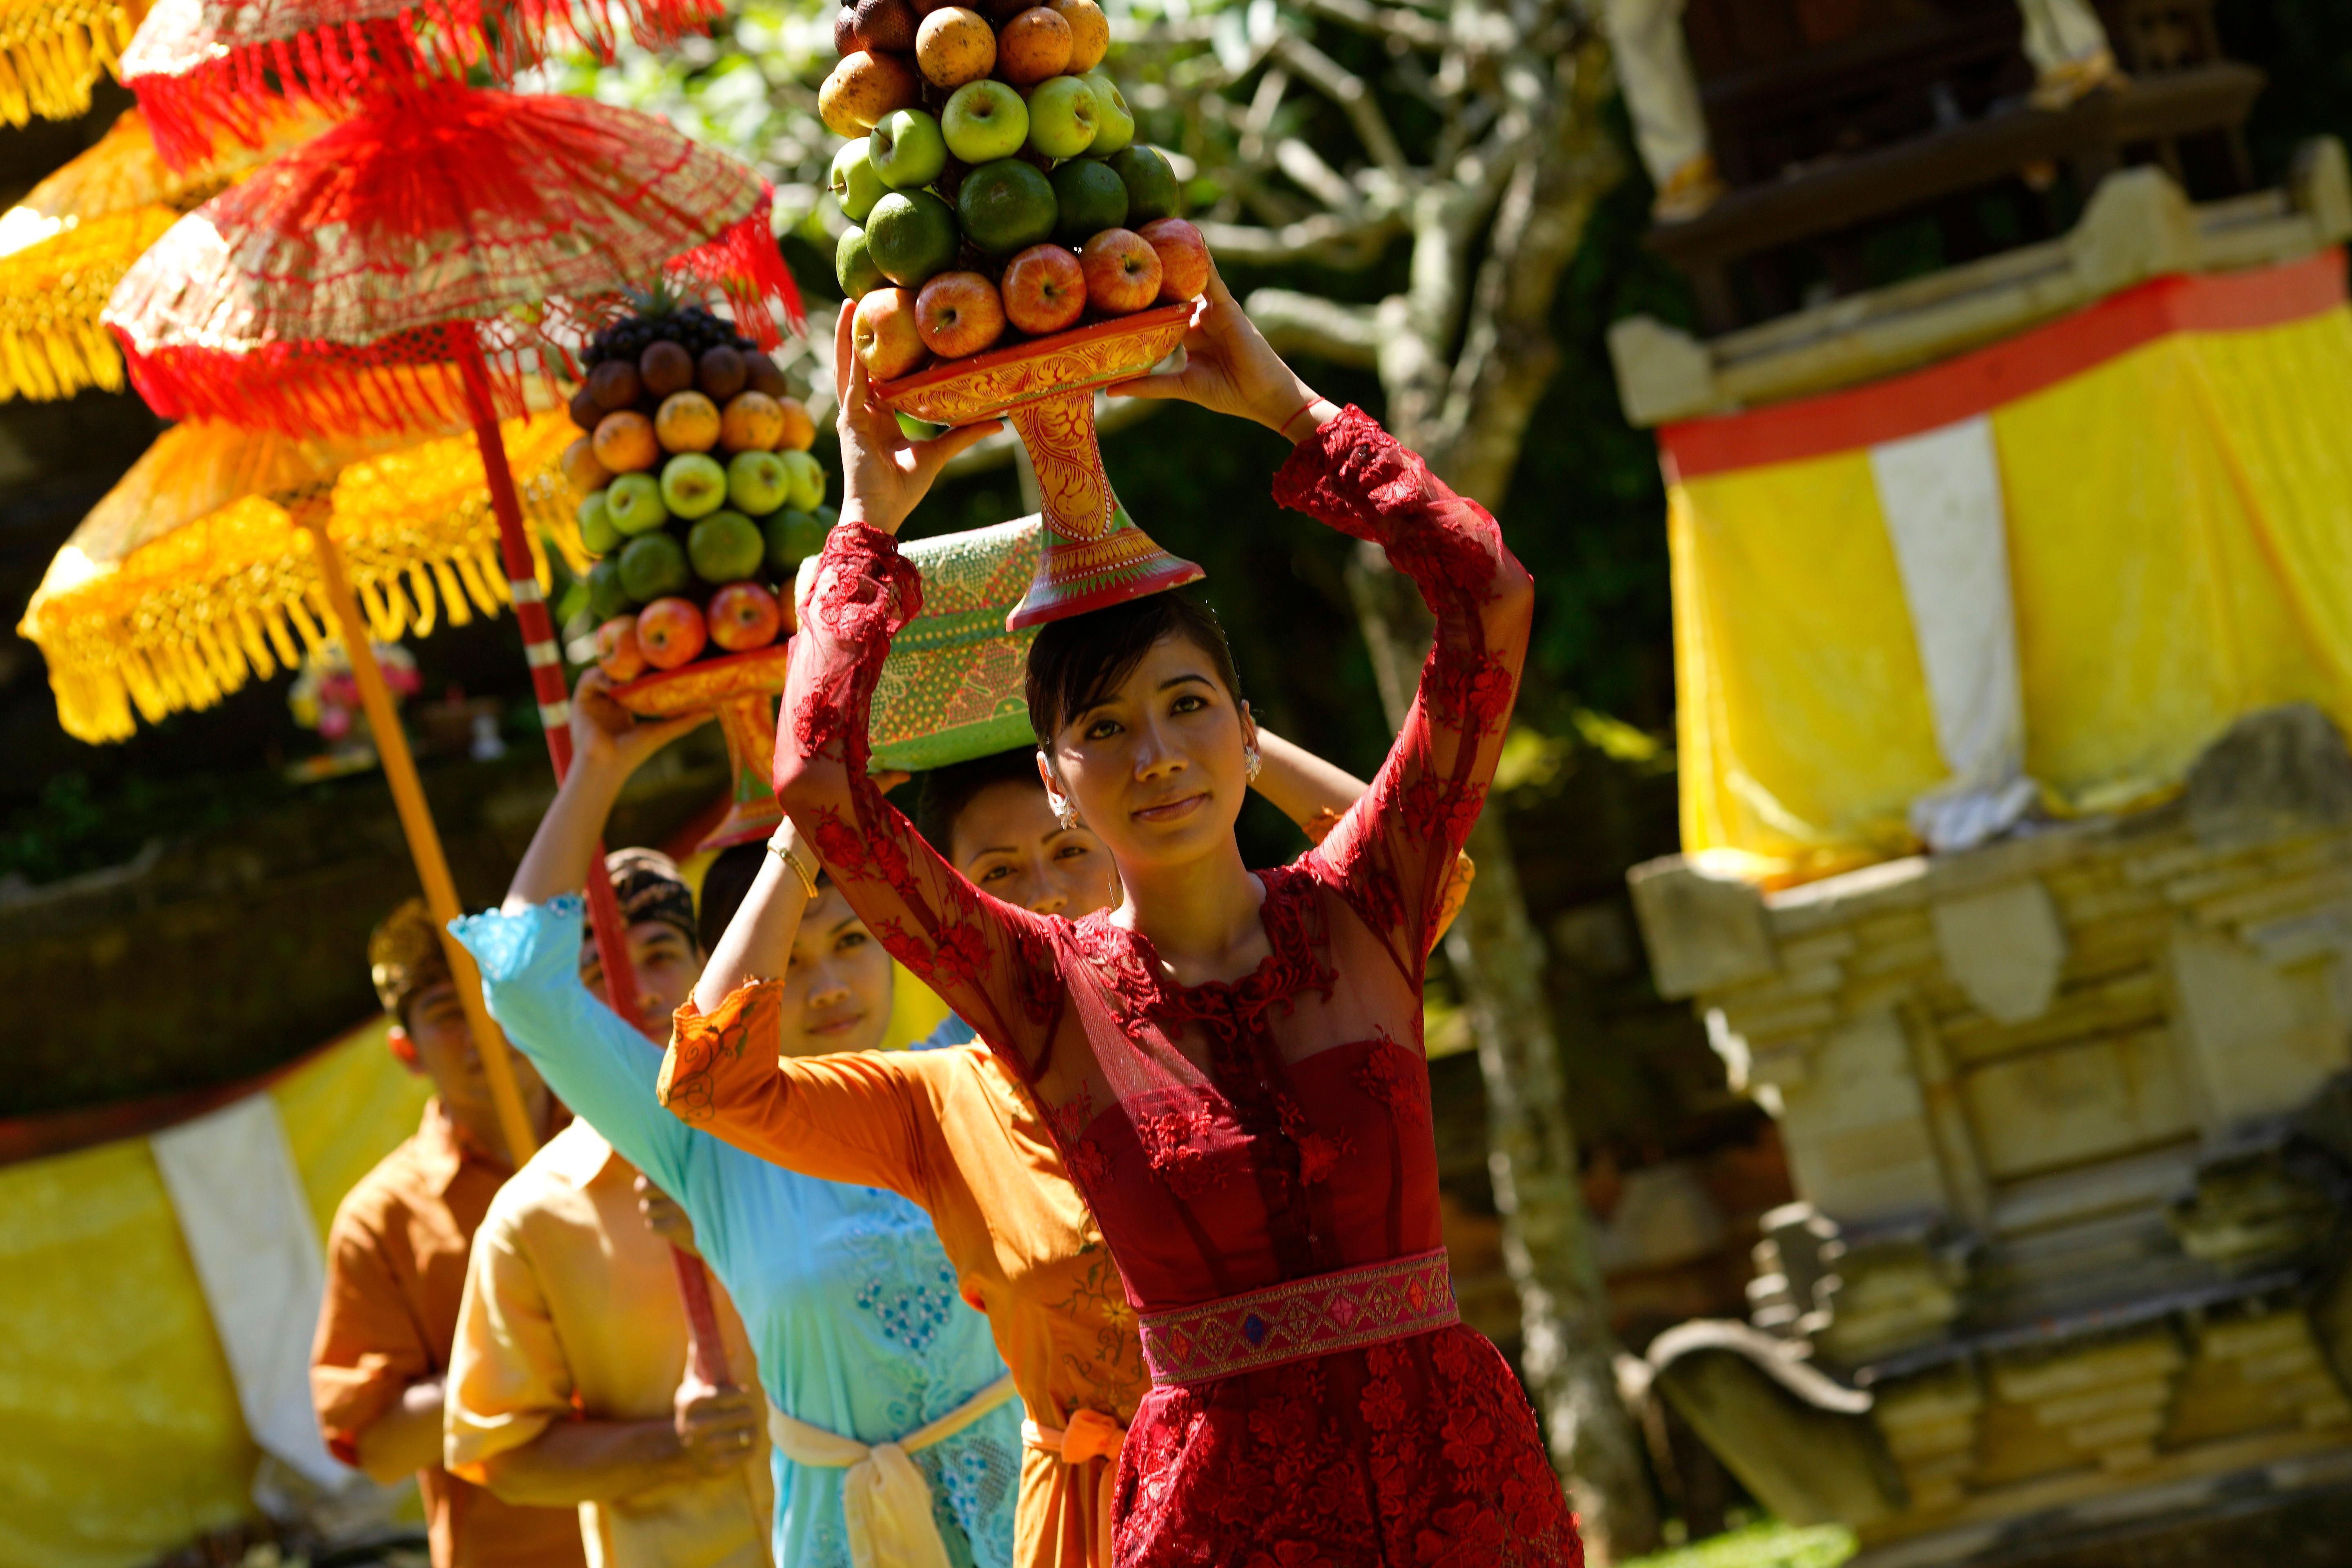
x=1176 y=1142
x=1418 y=1450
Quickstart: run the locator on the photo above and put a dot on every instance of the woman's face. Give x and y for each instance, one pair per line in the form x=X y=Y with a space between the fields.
x=1156 y=768
x=1008 y=843
x=837 y=984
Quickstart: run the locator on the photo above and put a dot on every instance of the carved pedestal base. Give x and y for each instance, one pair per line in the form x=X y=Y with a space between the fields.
x=1092 y=553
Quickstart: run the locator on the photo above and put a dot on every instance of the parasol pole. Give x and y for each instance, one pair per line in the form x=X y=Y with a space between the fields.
x=423 y=840
x=706 y=1351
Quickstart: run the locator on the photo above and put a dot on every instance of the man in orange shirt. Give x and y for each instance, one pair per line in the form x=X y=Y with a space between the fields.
x=396 y=1270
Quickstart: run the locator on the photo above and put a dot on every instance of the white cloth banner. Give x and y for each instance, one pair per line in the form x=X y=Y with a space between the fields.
x=247 y=1219
x=1940 y=494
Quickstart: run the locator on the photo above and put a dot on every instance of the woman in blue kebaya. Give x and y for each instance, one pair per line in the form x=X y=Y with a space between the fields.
x=850 y=1300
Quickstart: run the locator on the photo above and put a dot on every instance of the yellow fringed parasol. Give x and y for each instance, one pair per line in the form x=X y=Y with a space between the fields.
x=52 y=50
x=199 y=571
x=65 y=246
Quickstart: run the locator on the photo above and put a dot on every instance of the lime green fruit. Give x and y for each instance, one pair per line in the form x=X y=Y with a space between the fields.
x=793 y=537
x=598 y=535
x=808 y=478
x=725 y=547
x=1152 y=189
x=1006 y=207
x=915 y=430
x=606 y=596
x=1090 y=197
x=652 y=565
x=853 y=265
x=854 y=184
x=911 y=235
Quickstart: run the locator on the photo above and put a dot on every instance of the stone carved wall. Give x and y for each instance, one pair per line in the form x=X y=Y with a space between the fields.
x=2060 y=1221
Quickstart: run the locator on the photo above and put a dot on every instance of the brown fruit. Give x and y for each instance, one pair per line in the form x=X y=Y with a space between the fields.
x=585 y=410
x=721 y=373
x=955 y=46
x=664 y=367
x=1034 y=45
x=616 y=385
x=1089 y=33
x=925 y=7
x=582 y=470
x=864 y=87
x=1003 y=11
x=886 y=26
x=800 y=430
x=761 y=373
x=845 y=32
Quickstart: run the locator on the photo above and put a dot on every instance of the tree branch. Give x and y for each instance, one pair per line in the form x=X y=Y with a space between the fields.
x=1383 y=22
x=1310 y=324
x=1336 y=241
x=1346 y=89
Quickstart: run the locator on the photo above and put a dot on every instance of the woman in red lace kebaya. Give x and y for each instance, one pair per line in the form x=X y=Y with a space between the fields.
x=1230 y=1061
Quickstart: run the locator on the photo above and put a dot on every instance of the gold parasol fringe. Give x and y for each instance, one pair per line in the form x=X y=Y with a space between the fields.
x=191 y=615
x=51 y=54
x=51 y=344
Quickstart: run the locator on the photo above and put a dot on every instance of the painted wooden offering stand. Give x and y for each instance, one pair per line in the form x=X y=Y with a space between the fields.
x=1090 y=552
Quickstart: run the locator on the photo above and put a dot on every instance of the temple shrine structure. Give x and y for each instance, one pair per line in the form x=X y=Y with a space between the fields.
x=2010 y=516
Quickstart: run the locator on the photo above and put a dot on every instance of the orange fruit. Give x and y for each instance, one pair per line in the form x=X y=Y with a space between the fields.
x=625 y=443
x=686 y=422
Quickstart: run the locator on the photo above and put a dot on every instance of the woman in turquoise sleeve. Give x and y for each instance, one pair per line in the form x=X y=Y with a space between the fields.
x=851 y=1303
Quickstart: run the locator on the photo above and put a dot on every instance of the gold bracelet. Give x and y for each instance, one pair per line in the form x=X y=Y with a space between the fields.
x=781 y=846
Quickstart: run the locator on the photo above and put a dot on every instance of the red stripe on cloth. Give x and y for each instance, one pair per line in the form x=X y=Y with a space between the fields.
x=1978 y=382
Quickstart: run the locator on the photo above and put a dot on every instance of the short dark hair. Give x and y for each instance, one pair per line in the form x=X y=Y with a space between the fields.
x=1074 y=663
x=947 y=791
x=405 y=958
x=726 y=883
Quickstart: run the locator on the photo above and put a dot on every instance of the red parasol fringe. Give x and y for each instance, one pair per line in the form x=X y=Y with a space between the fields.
x=404 y=43
x=745 y=264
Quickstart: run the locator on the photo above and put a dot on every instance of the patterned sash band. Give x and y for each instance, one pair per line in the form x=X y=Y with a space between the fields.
x=1300 y=1319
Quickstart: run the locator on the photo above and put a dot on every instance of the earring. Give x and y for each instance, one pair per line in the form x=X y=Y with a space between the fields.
x=1063 y=811
x=1252 y=763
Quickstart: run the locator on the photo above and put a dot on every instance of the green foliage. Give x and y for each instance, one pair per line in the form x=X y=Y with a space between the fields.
x=1766 y=1545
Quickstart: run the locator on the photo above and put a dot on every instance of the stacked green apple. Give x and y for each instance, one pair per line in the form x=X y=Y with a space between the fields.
x=698 y=496
x=994 y=180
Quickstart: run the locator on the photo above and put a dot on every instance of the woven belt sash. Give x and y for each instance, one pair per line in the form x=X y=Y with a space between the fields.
x=1300 y=1319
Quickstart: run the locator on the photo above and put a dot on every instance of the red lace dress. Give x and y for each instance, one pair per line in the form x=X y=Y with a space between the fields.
x=1231 y=1138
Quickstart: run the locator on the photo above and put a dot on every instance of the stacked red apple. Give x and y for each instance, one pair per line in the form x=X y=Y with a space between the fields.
x=993 y=178
x=698 y=495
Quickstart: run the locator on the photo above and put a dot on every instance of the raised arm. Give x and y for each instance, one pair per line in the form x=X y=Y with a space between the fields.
x=1394 y=852
x=868 y=1118
x=529 y=948
x=981 y=956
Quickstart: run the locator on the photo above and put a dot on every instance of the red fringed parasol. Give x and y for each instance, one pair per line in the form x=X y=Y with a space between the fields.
x=204 y=66
x=344 y=287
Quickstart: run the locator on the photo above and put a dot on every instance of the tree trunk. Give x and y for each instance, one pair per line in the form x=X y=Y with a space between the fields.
x=1466 y=411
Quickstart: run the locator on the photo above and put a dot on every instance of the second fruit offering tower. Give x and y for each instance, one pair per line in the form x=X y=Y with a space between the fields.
x=698 y=491
x=995 y=181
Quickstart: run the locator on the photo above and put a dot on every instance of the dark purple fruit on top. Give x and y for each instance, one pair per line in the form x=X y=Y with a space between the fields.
x=616 y=385
x=666 y=367
x=886 y=24
x=585 y=410
x=720 y=373
x=761 y=373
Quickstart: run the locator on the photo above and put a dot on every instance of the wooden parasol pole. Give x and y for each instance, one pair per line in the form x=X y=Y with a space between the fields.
x=706 y=1351
x=424 y=840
